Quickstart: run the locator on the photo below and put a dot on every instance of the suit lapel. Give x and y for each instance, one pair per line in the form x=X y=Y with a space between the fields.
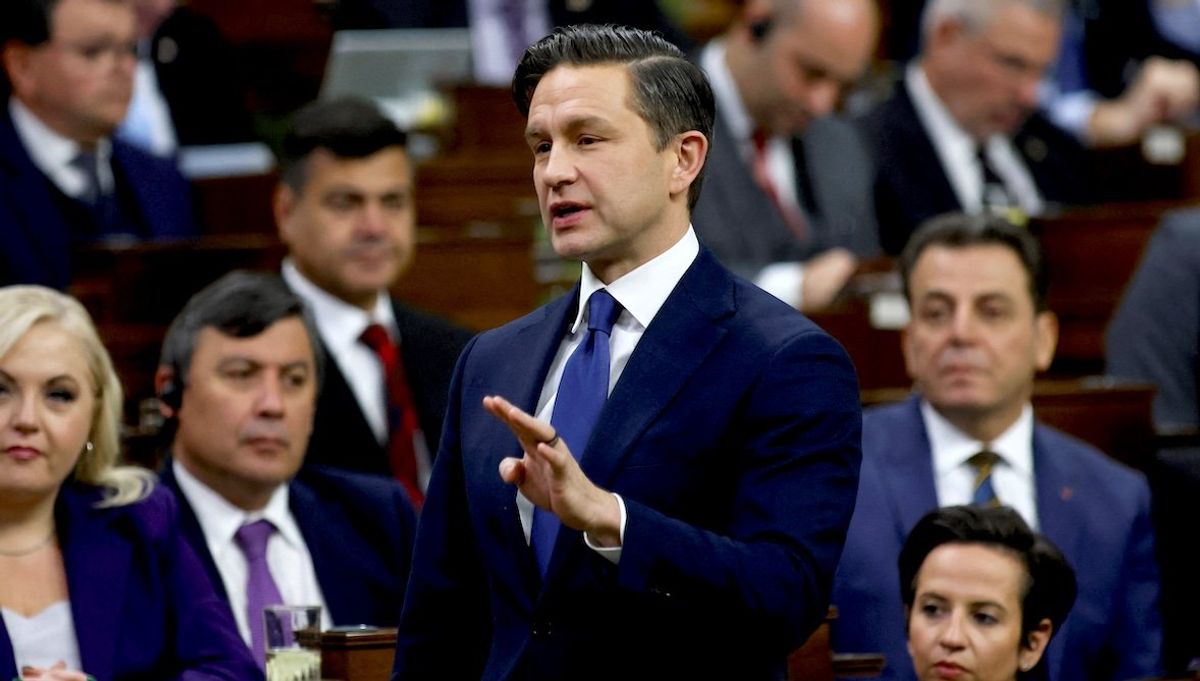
x=922 y=155
x=908 y=476
x=679 y=339
x=1057 y=518
x=189 y=525
x=98 y=559
x=519 y=380
x=40 y=221
x=334 y=573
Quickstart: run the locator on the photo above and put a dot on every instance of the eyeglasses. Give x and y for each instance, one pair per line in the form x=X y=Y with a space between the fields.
x=1014 y=65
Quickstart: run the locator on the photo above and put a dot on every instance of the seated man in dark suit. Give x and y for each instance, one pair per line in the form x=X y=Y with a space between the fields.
x=63 y=179
x=788 y=201
x=346 y=211
x=238 y=380
x=961 y=132
x=980 y=330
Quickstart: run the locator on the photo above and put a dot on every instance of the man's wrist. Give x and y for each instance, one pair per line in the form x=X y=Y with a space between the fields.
x=605 y=528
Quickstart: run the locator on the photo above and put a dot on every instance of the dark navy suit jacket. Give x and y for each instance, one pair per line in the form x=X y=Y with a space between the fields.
x=142 y=605
x=341 y=436
x=359 y=531
x=35 y=238
x=733 y=436
x=1093 y=508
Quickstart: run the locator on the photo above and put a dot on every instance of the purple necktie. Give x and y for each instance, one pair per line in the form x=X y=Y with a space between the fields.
x=261 y=590
x=582 y=392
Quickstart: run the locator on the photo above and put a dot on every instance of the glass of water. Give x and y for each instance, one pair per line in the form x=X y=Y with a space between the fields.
x=292 y=634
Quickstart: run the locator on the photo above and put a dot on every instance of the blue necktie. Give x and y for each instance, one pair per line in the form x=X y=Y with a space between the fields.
x=581 y=395
x=983 y=463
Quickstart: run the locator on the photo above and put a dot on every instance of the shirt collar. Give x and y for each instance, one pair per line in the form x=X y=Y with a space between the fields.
x=950 y=447
x=945 y=131
x=339 y=323
x=52 y=153
x=642 y=291
x=220 y=520
x=725 y=91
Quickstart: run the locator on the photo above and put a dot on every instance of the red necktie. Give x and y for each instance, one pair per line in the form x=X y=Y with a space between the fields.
x=762 y=176
x=402 y=416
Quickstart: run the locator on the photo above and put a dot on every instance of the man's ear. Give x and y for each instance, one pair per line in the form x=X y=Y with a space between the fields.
x=168 y=390
x=691 y=150
x=1046 y=341
x=283 y=205
x=15 y=56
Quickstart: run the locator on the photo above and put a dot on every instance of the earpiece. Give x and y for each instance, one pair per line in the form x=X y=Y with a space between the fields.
x=170 y=394
x=759 y=29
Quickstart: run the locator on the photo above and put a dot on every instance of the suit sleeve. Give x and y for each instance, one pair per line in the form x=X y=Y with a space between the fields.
x=444 y=628
x=796 y=476
x=1155 y=333
x=1138 y=636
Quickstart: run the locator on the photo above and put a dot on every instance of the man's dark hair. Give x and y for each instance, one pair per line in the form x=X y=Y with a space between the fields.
x=670 y=93
x=240 y=304
x=1049 y=585
x=26 y=21
x=959 y=230
x=347 y=127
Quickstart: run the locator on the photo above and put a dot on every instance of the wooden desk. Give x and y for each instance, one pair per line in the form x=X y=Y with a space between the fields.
x=368 y=655
x=365 y=655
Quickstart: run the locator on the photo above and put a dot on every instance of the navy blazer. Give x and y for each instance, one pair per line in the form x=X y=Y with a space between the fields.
x=142 y=605
x=1093 y=508
x=341 y=436
x=911 y=185
x=359 y=531
x=733 y=436
x=35 y=239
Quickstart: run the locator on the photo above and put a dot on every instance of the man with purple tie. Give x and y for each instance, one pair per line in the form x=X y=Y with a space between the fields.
x=649 y=477
x=238 y=380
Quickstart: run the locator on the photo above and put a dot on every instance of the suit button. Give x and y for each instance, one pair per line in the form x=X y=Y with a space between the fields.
x=542 y=628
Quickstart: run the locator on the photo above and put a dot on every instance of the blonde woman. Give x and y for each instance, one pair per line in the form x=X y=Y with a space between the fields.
x=95 y=581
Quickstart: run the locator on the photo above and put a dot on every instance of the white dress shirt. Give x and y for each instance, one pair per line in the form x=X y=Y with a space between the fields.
x=45 y=638
x=1012 y=476
x=340 y=325
x=957 y=152
x=784 y=279
x=287 y=555
x=641 y=294
x=52 y=153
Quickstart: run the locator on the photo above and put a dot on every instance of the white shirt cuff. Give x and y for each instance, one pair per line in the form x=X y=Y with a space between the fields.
x=784 y=280
x=611 y=553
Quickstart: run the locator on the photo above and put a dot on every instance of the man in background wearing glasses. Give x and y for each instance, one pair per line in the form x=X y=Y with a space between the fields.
x=69 y=68
x=961 y=132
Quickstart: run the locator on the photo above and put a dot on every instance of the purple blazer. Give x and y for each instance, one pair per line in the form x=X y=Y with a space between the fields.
x=143 y=607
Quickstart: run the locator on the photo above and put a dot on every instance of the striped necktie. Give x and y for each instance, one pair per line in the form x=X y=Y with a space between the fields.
x=983 y=494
